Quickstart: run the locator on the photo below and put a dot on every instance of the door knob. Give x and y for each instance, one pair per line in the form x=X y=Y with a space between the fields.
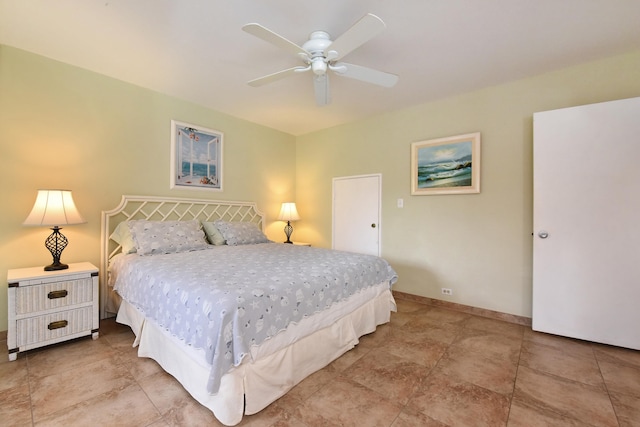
x=543 y=234
x=373 y=226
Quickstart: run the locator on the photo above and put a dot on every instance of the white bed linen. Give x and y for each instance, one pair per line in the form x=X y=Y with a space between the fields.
x=275 y=366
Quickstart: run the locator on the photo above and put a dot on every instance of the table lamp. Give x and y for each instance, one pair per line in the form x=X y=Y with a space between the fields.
x=54 y=208
x=288 y=213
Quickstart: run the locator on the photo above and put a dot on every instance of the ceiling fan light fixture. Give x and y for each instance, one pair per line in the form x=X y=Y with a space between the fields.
x=319 y=67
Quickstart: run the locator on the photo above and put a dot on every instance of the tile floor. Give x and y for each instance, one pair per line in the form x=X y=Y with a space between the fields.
x=428 y=367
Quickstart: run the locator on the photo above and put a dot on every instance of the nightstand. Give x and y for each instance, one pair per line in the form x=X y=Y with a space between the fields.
x=48 y=307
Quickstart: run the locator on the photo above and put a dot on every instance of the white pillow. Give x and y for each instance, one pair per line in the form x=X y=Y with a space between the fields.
x=156 y=237
x=240 y=233
x=213 y=234
x=122 y=236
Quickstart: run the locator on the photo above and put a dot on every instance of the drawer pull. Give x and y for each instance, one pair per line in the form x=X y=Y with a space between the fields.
x=57 y=294
x=57 y=325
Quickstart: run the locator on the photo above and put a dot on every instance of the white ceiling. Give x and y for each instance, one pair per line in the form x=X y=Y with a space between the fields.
x=196 y=49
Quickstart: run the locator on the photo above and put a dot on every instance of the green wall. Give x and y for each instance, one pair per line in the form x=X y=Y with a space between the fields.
x=65 y=127
x=479 y=245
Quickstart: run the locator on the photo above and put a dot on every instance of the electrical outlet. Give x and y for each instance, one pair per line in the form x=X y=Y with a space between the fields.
x=447 y=291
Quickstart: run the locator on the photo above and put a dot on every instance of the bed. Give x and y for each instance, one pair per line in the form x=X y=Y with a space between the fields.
x=236 y=319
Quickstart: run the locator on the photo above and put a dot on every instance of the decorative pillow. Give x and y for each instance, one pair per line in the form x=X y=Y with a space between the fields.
x=240 y=233
x=122 y=236
x=213 y=234
x=156 y=237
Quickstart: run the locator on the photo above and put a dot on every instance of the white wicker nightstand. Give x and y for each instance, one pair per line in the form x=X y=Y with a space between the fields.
x=48 y=307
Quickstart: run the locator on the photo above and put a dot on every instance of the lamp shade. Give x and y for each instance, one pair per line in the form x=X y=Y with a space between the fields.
x=288 y=212
x=54 y=207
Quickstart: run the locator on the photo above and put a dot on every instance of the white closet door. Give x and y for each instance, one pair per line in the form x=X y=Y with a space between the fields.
x=586 y=251
x=356 y=214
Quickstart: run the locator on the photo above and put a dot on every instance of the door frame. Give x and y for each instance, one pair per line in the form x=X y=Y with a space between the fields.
x=379 y=213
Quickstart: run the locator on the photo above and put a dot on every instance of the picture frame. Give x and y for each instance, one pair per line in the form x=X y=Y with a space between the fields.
x=196 y=157
x=448 y=165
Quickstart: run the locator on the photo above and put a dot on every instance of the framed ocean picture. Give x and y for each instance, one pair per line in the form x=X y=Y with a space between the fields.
x=196 y=157
x=446 y=165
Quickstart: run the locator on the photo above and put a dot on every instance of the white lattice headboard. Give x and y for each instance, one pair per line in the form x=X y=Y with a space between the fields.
x=162 y=209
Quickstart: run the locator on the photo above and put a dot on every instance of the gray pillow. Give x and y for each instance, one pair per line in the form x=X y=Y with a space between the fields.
x=165 y=237
x=240 y=233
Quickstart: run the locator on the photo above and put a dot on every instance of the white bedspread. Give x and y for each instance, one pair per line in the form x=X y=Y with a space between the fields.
x=226 y=299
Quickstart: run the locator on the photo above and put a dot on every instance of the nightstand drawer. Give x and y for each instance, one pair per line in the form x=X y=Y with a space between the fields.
x=60 y=294
x=53 y=326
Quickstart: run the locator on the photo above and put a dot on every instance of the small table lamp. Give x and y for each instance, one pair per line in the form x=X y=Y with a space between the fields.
x=54 y=208
x=288 y=213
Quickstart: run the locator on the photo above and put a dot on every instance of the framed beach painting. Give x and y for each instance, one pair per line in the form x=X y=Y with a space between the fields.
x=446 y=165
x=196 y=157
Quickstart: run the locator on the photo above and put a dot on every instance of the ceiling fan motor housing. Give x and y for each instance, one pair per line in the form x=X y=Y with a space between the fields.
x=316 y=46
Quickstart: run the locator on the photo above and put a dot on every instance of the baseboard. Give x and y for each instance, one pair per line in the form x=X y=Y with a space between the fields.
x=511 y=318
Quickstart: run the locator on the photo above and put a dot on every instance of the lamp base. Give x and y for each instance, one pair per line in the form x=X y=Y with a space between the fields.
x=56 y=266
x=56 y=243
x=288 y=229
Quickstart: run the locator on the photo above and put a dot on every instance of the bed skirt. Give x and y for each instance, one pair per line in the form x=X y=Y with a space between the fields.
x=274 y=367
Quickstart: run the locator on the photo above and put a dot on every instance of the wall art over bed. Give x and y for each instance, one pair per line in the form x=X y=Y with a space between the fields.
x=448 y=165
x=196 y=157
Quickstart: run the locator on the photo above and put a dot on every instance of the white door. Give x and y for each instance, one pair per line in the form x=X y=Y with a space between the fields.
x=356 y=214
x=586 y=251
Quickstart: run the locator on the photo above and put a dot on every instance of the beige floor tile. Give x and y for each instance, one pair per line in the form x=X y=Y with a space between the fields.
x=411 y=418
x=583 y=402
x=395 y=378
x=14 y=374
x=68 y=356
x=441 y=315
x=62 y=390
x=15 y=406
x=427 y=328
x=164 y=391
x=345 y=361
x=190 y=413
x=314 y=382
x=128 y=406
x=621 y=379
x=579 y=366
x=271 y=416
x=627 y=409
x=568 y=345
x=347 y=403
x=488 y=345
x=495 y=374
x=460 y=403
x=522 y=415
x=623 y=356
x=416 y=347
x=495 y=326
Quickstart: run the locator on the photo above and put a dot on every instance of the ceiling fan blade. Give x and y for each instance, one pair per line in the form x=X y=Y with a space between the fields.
x=361 y=32
x=365 y=74
x=276 y=76
x=274 y=38
x=321 y=89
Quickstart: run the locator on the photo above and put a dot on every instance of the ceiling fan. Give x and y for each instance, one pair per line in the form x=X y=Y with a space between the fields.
x=320 y=54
